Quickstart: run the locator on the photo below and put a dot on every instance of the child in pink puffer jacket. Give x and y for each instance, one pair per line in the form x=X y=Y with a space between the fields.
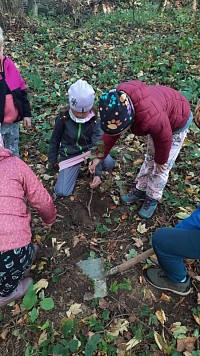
x=16 y=249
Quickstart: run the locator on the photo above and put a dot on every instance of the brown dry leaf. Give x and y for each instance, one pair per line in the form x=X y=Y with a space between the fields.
x=186 y=344
x=16 y=310
x=165 y=298
x=103 y=304
x=72 y=198
x=161 y=316
x=37 y=239
x=4 y=334
x=133 y=232
x=157 y=353
x=148 y=295
x=43 y=158
x=124 y=217
x=75 y=240
x=42 y=337
x=197 y=318
x=132 y=318
x=138 y=161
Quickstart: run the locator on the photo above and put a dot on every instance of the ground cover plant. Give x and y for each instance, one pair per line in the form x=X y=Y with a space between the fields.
x=134 y=319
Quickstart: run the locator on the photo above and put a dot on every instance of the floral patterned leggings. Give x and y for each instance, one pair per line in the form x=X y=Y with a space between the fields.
x=148 y=179
x=13 y=265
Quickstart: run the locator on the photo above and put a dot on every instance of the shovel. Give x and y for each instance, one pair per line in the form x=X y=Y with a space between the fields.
x=95 y=270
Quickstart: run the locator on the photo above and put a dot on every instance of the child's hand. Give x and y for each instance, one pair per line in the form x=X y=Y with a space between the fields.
x=27 y=121
x=93 y=164
x=96 y=181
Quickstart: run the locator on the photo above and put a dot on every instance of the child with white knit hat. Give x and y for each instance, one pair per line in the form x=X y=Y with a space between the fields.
x=76 y=133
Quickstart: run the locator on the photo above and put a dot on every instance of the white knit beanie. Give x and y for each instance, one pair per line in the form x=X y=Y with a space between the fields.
x=81 y=96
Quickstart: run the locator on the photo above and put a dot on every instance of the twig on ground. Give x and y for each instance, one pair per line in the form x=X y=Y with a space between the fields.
x=90 y=201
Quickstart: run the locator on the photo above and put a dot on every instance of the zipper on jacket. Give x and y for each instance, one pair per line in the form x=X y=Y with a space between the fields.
x=78 y=136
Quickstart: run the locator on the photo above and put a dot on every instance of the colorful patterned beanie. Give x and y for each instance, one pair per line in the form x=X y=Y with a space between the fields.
x=116 y=112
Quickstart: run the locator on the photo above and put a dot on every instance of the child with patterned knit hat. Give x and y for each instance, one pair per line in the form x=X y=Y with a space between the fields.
x=159 y=112
x=14 y=104
x=75 y=135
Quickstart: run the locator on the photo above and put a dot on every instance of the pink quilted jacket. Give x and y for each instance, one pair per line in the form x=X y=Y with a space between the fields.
x=159 y=111
x=18 y=182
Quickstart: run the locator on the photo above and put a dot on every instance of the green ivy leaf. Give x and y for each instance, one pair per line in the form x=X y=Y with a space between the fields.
x=47 y=304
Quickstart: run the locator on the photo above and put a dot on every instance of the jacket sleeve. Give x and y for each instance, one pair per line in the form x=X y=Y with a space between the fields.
x=55 y=140
x=108 y=142
x=36 y=194
x=96 y=135
x=161 y=134
x=192 y=222
x=25 y=103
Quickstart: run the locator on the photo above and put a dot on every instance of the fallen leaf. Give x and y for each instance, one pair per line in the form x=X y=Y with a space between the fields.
x=74 y=309
x=148 y=295
x=41 y=265
x=165 y=298
x=103 y=304
x=115 y=198
x=16 y=310
x=161 y=342
x=197 y=318
x=47 y=177
x=72 y=198
x=138 y=242
x=42 y=283
x=42 y=337
x=132 y=343
x=141 y=228
x=161 y=316
x=4 y=334
x=124 y=217
x=120 y=326
x=186 y=344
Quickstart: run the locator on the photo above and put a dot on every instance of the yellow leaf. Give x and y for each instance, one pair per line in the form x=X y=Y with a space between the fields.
x=197 y=318
x=161 y=316
x=41 y=265
x=132 y=343
x=42 y=283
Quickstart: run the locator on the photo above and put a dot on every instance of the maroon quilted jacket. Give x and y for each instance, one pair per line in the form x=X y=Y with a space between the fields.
x=159 y=111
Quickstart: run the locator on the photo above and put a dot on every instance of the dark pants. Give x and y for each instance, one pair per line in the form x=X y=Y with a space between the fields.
x=171 y=246
x=13 y=265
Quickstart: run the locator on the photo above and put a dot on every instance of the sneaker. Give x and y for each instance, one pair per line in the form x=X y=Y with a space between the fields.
x=157 y=278
x=133 y=196
x=148 y=208
x=18 y=292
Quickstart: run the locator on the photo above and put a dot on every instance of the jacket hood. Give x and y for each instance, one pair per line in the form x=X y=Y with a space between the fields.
x=4 y=153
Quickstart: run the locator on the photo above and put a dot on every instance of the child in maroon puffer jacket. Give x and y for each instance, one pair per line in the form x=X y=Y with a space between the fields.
x=161 y=113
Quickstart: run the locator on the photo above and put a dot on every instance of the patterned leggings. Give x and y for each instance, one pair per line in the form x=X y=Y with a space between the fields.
x=13 y=265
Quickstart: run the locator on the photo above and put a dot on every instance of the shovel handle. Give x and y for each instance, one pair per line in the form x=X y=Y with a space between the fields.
x=130 y=263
